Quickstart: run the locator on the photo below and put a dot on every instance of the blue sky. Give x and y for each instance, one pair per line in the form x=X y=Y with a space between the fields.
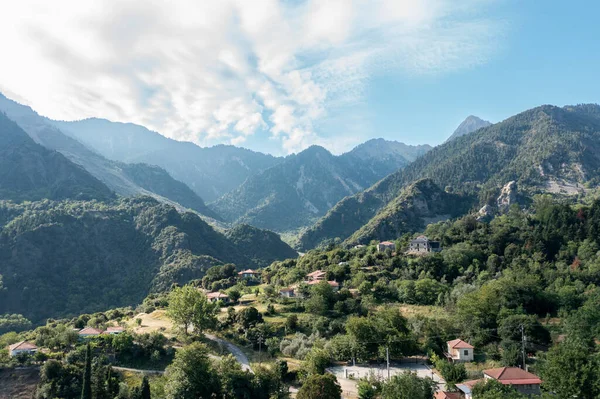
x=550 y=55
x=279 y=75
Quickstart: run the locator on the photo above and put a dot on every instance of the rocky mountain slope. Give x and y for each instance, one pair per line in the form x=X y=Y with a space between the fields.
x=305 y=186
x=87 y=256
x=545 y=149
x=469 y=125
x=210 y=172
x=29 y=171
x=121 y=178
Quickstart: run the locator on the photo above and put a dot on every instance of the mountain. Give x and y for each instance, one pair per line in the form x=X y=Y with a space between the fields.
x=545 y=149
x=68 y=257
x=381 y=150
x=158 y=181
x=29 y=171
x=469 y=125
x=210 y=172
x=296 y=192
x=418 y=205
x=119 y=177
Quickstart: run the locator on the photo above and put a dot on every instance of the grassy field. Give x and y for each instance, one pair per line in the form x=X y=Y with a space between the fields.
x=155 y=321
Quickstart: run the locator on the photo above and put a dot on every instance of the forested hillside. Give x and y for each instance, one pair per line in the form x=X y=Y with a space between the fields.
x=545 y=149
x=29 y=171
x=211 y=172
x=63 y=258
x=126 y=180
x=296 y=192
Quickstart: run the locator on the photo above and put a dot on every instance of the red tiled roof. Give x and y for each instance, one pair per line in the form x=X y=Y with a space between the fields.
x=513 y=376
x=114 y=329
x=471 y=383
x=23 y=345
x=90 y=331
x=286 y=290
x=387 y=243
x=447 y=395
x=248 y=271
x=459 y=344
x=316 y=273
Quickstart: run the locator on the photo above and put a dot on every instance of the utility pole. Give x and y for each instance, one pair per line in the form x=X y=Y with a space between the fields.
x=260 y=340
x=387 y=355
x=523 y=346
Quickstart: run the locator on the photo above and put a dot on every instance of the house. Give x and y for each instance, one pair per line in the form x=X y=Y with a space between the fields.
x=114 y=330
x=382 y=246
x=248 y=273
x=459 y=351
x=422 y=244
x=334 y=284
x=287 y=292
x=217 y=296
x=317 y=275
x=466 y=388
x=522 y=381
x=22 y=347
x=447 y=395
x=90 y=332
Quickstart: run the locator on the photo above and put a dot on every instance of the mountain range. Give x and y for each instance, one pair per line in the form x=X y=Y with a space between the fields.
x=296 y=192
x=546 y=149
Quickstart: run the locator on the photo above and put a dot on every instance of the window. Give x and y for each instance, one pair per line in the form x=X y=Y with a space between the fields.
x=466 y=352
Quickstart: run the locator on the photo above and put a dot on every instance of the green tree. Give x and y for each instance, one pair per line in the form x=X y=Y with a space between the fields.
x=188 y=306
x=408 y=386
x=145 y=388
x=191 y=376
x=86 y=389
x=316 y=361
x=492 y=389
x=572 y=370
x=320 y=387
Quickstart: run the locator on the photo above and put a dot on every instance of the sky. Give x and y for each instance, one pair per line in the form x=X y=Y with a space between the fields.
x=279 y=76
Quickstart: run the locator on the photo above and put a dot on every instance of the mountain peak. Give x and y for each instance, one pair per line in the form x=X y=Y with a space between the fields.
x=469 y=125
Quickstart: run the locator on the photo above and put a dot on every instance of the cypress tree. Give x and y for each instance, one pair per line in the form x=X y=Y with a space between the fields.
x=86 y=390
x=145 y=388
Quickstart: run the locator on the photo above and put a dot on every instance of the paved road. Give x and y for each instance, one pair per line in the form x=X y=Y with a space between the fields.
x=236 y=351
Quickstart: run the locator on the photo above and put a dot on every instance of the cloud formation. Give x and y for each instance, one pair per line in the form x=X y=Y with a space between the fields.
x=221 y=71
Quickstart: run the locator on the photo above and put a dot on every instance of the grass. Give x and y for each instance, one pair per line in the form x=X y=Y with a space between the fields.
x=432 y=312
x=155 y=321
x=157 y=383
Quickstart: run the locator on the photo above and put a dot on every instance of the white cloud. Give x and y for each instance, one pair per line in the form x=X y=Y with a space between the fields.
x=219 y=71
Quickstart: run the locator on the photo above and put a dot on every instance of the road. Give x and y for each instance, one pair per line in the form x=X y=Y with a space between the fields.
x=235 y=351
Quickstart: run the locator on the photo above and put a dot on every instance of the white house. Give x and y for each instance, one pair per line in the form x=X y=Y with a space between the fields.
x=22 y=347
x=460 y=351
x=114 y=330
x=217 y=296
x=248 y=273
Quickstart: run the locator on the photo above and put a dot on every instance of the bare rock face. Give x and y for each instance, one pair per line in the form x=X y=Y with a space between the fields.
x=485 y=214
x=508 y=197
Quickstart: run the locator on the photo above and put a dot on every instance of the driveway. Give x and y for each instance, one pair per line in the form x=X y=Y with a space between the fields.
x=235 y=351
